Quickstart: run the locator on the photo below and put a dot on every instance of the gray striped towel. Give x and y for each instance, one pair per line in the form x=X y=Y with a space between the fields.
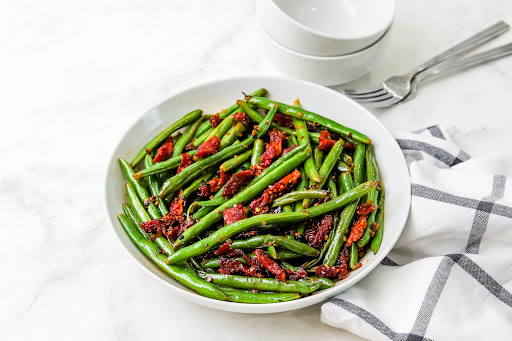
x=449 y=277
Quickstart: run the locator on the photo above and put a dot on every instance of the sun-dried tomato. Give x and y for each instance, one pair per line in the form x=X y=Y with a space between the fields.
x=365 y=208
x=176 y=231
x=152 y=225
x=165 y=151
x=326 y=271
x=209 y=147
x=215 y=120
x=241 y=117
x=283 y=120
x=296 y=275
x=343 y=262
x=229 y=266
x=325 y=142
x=270 y=265
x=357 y=230
x=319 y=232
x=176 y=207
x=223 y=248
x=274 y=148
x=213 y=185
x=186 y=160
x=234 y=214
x=236 y=181
x=348 y=146
x=261 y=205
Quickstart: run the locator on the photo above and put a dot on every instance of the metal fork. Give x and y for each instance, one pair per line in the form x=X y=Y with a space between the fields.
x=397 y=88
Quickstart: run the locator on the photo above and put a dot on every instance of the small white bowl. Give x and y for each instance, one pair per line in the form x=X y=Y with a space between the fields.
x=327 y=27
x=322 y=70
x=212 y=96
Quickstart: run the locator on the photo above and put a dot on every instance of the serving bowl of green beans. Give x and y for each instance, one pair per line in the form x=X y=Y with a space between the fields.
x=258 y=194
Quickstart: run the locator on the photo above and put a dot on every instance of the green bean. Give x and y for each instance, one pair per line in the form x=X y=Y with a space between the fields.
x=128 y=211
x=232 y=135
x=212 y=202
x=343 y=167
x=241 y=296
x=283 y=242
x=344 y=222
x=346 y=158
x=139 y=188
x=219 y=131
x=183 y=276
x=293 y=139
x=302 y=185
x=243 y=197
x=216 y=238
x=194 y=186
x=225 y=113
x=154 y=186
x=318 y=157
x=160 y=138
x=304 y=286
x=311 y=117
x=164 y=166
x=257 y=150
x=359 y=156
x=272 y=252
x=186 y=137
x=377 y=238
x=172 y=184
x=354 y=256
x=331 y=186
x=303 y=138
x=236 y=161
x=299 y=195
x=372 y=174
x=143 y=216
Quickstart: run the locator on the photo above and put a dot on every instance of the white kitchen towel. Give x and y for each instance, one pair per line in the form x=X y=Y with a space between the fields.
x=449 y=277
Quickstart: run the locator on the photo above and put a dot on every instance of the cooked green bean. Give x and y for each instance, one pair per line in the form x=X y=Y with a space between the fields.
x=283 y=242
x=154 y=186
x=194 y=186
x=299 y=195
x=377 y=238
x=303 y=138
x=359 y=156
x=302 y=185
x=305 y=115
x=186 y=120
x=232 y=135
x=180 y=144
x=272 y=252
x=354 y=256
x=236 y=161
x=257 y=150
x=303 y=286
x=237 y=295
x=281 y=255
x=372 y=174
x=164 y=166
x=219 y=131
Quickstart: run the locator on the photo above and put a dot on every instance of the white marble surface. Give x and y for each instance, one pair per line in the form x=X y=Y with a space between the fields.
x=75 y=74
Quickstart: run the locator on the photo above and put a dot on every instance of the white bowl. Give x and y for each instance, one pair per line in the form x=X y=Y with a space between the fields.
x=328 y=27
x=322 y=70
x=220 y=94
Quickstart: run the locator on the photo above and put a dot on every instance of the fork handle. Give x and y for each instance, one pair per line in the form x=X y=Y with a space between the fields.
x=461 y=63
x=476 y=40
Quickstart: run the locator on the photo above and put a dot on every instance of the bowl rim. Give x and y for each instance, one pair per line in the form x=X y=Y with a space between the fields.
x=266 y=307
x=334 y=37
x=320 y=58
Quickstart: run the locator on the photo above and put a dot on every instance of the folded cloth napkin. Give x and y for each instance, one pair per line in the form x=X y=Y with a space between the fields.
x=449 y=277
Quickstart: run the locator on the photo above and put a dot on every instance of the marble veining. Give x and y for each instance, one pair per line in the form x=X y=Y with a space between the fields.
x=75 y=75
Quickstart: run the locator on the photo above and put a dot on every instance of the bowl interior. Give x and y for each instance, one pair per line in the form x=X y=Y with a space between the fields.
x=217 y=95
x=341 y=18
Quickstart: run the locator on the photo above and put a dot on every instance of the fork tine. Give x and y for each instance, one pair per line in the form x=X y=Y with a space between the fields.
x=381 y=92
x=378 y=98
x=362 y=91
x=384 y=103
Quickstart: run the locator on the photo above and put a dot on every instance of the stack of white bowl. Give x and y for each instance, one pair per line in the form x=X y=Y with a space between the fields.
x=328 y=42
